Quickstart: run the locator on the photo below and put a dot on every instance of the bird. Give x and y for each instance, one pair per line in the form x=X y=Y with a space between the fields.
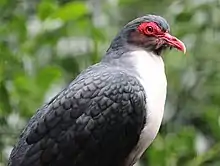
x=112 y=111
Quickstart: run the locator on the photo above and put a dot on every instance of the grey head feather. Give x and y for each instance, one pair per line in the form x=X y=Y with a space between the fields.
x=160 y=21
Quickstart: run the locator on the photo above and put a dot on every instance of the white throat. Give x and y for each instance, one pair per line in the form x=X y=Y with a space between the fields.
x=150 y=68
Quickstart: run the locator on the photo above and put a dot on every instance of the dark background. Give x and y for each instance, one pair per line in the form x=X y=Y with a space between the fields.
x=45 y=44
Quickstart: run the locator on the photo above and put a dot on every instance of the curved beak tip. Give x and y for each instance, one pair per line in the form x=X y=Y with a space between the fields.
x=174 y=42
x=181 y=46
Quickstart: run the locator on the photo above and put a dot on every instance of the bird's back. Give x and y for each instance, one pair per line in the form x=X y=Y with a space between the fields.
x=96 y=121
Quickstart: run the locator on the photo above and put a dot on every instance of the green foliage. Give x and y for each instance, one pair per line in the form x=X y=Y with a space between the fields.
x=45 y=44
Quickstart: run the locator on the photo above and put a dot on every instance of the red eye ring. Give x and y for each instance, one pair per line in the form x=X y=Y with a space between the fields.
x=149 y=29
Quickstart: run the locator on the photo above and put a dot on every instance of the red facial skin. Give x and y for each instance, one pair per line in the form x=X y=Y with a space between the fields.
x=152 y=29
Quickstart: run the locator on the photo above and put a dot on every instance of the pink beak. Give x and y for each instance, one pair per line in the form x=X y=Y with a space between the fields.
x=173 y=41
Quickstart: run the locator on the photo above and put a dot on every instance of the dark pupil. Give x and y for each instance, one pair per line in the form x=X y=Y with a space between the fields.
x=150 y=29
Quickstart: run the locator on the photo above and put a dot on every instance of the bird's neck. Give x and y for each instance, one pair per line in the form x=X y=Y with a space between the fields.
x=148 y=68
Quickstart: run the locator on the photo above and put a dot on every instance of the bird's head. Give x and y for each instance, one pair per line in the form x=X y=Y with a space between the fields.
x=151 y=33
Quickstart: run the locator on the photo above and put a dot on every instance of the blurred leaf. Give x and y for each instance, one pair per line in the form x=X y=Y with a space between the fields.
x=47 y=76
x=184 y=17
x=201 y=159
x=5 y=107
x=46 y=8
x=71 y=11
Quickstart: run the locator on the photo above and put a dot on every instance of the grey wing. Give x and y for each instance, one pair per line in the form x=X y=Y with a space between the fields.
x=95 y=121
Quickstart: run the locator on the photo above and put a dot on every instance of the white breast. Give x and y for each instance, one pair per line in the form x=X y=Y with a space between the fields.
x=152 y=76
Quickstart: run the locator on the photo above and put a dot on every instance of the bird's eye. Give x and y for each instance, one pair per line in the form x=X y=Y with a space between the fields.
x=150 y=29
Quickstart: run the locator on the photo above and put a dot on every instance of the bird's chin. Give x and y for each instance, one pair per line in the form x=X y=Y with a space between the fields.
x=161 y=49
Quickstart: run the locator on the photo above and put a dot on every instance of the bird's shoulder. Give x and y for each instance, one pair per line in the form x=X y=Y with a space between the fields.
x=100 y=86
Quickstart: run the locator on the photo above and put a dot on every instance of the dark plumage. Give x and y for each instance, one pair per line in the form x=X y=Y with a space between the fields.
x=98 y=119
